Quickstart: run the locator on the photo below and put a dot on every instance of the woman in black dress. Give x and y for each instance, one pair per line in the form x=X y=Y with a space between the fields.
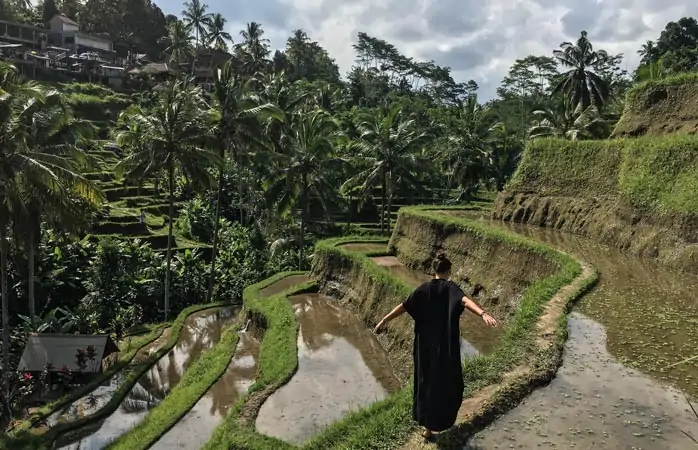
x=435 y=307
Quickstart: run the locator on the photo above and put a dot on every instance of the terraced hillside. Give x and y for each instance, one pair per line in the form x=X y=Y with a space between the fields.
x=121 y=216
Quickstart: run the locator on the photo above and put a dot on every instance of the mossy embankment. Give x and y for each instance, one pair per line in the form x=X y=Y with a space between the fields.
x=661 y=107
x=531 y=292
x=636 y=194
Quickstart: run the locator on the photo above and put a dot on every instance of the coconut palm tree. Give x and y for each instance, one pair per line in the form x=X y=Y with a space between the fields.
x=581 y=86
x=175 y=131
x=178 y=41
x=254 y=48
x=238 y=118
x=388 y=146
x=467 y=153
x=54 y=159
x=216 y=35
x=305 y=167
x=196 y=19
x=559 y=121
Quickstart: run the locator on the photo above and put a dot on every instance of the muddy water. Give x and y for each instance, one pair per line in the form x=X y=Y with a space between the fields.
x=200 y=332
x=198 y=425
x=650 y=313
x=646 y=317
x=365 y=247
x=95 y=400
x=593 y=403
x=341 y=367
x=282 y=285
x=477 y=337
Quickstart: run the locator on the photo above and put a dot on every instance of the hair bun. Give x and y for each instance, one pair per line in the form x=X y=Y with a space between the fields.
x=441 y=256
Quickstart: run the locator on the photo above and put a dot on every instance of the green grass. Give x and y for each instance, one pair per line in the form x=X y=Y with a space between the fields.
x=388 y=422
x=658 y=174
x=640 y=90
x=30 y=441
x=278 y=359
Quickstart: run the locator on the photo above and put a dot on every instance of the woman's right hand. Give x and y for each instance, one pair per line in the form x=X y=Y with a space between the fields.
x=379 y=327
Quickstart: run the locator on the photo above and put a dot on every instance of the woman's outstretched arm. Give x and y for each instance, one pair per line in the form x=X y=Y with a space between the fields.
x=475 y=308
x=396 y=312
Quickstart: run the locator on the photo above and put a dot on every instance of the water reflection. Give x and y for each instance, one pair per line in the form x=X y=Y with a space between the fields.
x=200 y=332
x=650 y=313
x=341 y=367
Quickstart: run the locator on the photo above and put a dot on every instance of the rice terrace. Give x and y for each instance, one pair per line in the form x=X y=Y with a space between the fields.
x=209 y=245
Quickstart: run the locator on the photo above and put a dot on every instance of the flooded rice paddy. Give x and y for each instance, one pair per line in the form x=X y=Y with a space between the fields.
x=623 y=383
x=341 y=368
x=201 y=331
x=198 y=425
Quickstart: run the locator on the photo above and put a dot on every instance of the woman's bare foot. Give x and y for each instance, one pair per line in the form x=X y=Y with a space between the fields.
x=427 y=434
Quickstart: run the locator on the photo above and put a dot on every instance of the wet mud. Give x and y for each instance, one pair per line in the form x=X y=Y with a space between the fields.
x=341 y=368
x=201 y=331
x=593 y=403
x=198 y=425
x=477 y=338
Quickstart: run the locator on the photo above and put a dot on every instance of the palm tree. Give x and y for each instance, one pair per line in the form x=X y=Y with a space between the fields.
x=254 y=48
x=648 y=52
x=388 y=145
x=305 y=168
x=238 y=127
x=178 y=39
x=196 y=19
x=216 y=34
x=174 y=130
x=51 y=177
x=467 y=150
x=559 y=121
x=581 y=86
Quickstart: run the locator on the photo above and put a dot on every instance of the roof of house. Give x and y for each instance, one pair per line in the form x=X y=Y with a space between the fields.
x=65 y=19
x=61 y=350
x=153 y=68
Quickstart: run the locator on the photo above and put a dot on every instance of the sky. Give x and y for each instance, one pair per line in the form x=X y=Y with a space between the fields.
x=478 y=39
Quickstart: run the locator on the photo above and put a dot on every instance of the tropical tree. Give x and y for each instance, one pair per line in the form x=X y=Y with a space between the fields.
x=196 y=19
x=388 y=146
x=254 y=49
x=305 y=168
x=581 y=86
x=466 y=153
x=216 y=35
x=179 y=42
x=238 y=128
x=559 y=121
x=50 y=177
x=175 y=131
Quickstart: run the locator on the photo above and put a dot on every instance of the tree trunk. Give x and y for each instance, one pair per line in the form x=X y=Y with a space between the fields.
x=383 y=193
x=390 y=199
x=212 y=272
x=304 y=208
x=5 y=310
x=30 y=282
x=170 y=180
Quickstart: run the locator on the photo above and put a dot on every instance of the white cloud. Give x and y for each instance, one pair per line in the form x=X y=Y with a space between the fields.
x=479 y=40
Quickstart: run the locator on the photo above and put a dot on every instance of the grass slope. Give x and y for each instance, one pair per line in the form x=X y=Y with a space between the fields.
x=656 y=107
x=387 y=423
x=658 y=174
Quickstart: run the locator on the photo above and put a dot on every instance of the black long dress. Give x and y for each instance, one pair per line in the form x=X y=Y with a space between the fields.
x=436 y=307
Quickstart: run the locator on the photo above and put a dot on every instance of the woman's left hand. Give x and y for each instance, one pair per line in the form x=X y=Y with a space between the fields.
x=489 y=320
